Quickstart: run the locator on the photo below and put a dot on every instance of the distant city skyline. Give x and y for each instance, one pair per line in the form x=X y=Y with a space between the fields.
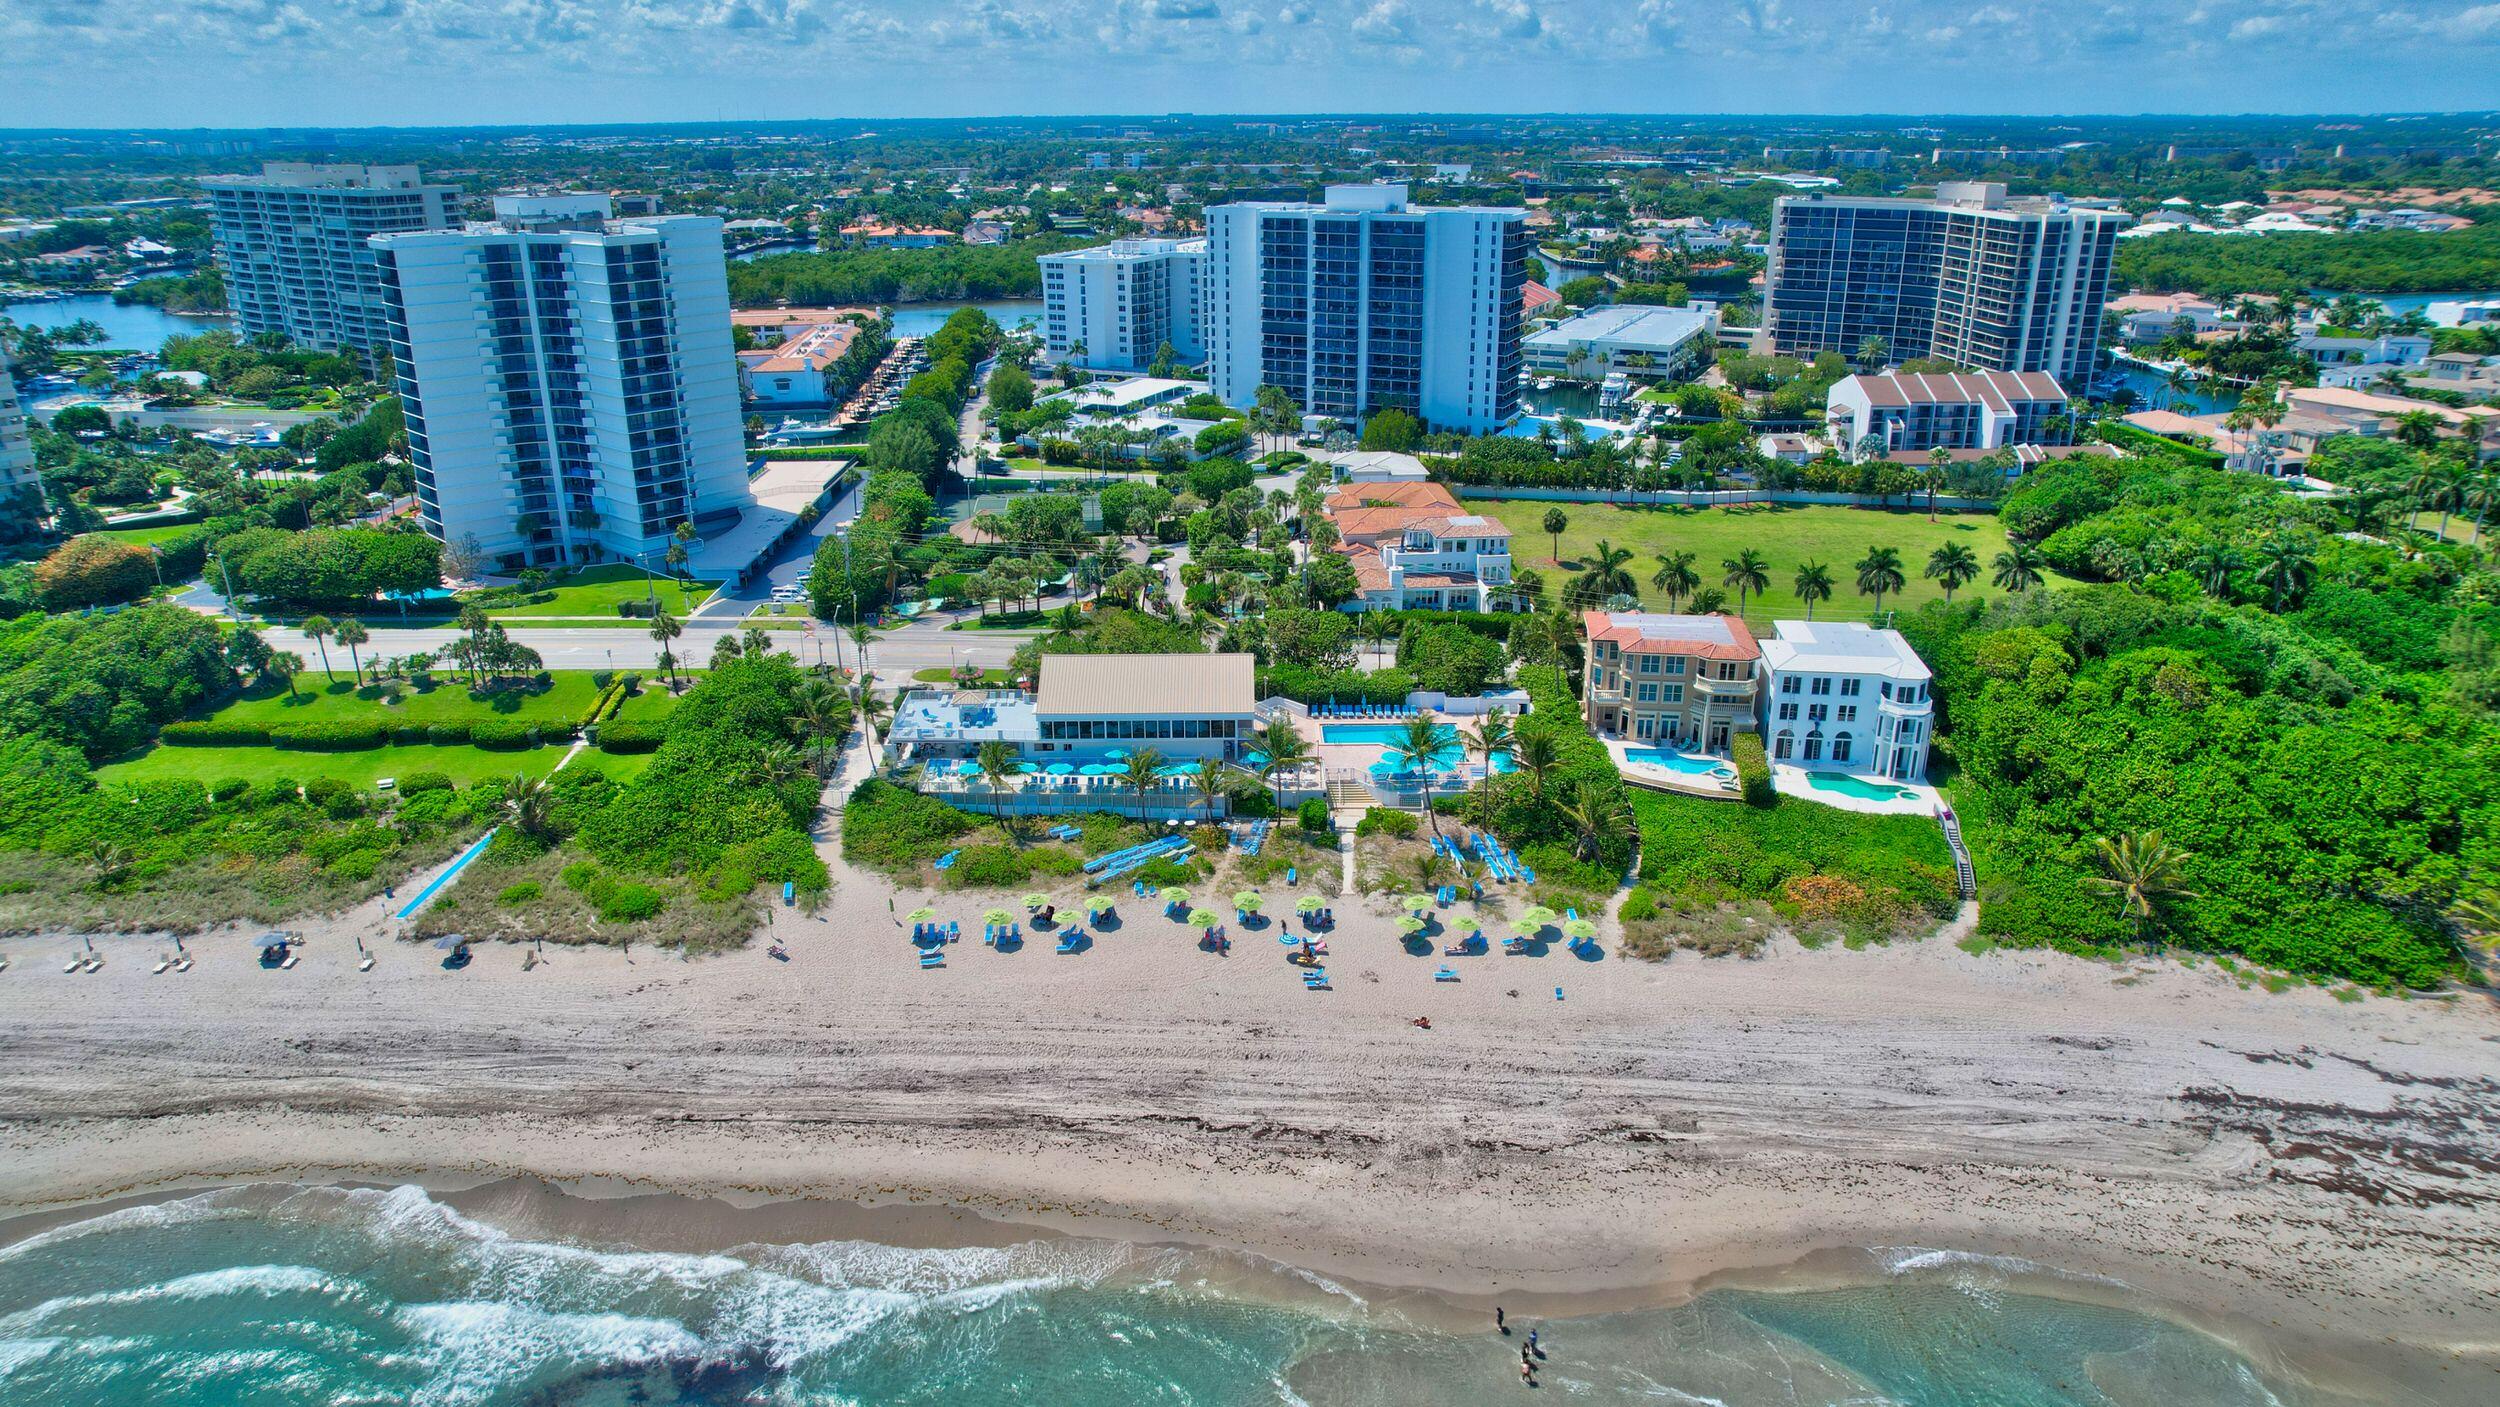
x=251 y=63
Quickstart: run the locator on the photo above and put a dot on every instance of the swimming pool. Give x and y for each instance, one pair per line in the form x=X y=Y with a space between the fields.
x=1858 y=787
x=1449 y=756
x=1381 y=734
x=1678 y=762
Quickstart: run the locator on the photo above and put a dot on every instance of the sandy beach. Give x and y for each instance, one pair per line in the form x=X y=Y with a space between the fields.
x=2288 y=1163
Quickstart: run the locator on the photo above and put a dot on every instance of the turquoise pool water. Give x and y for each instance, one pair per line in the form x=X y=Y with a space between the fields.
x=1858 y=787
x=1678 y=762
x=1448 y=757
x=1383 y=734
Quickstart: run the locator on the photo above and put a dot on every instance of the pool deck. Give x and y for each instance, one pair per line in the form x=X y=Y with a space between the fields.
x=1662 y=779
x=1790 y=780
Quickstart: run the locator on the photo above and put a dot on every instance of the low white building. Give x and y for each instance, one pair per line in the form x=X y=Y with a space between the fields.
x=1666 y=343
x=1846 y=697
x=791 y=374
x=1980 y=410
x=2463 y=312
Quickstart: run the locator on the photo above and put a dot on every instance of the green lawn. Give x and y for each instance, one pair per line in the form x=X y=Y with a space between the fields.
x=145 y=537
x=1785 y=535
x=990 y=678
x=563 y=702
x=466 y=766
x=595 y=592
x=654 y=703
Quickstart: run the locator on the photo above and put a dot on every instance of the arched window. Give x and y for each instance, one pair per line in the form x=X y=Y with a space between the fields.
x=1814 y=746
x=1840 y=748
x=1782 y=746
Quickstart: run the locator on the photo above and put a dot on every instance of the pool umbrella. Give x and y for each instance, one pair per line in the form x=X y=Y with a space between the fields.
x=1416 y=903
x=1248 y=901
x=1035 y=901
x=1410 y=925
x=1098 y=904
x=1117 y=754
x=1027 y=769
x=1174 y=897
x=1204 y=918
x=998 y=918
x=1309 y=904
x=922 y=915
x=1060 y=769
x=1579 y=928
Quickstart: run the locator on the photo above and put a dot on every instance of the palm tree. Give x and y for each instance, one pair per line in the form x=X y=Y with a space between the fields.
x=1606 y=570
x=109 y=859
x=1952 y=566
x=1209 y=782
x=1592 y=812
x=2438 y=485
x=664 y=628
x=1421 y=742
x=1493 y=733
x=1813 y=583
x=1871 y=353
x=286 y=666
x=815 y=706
x=2144 y=871
x=318 y=630
x=351 y=632
x=2213 y=563
x=1141 y=775
x=1285 y=750
x=1933 y=478
x=1555 y=521
x=1537 y=757
x=2478 y=916
x=2286 y=568
x=1748 y=572
x=779 y=762
x=997 y=761
x=1879 y=571
x=528 y=803
x=1676 y=577
x=2418 y=428
x=2017 y=568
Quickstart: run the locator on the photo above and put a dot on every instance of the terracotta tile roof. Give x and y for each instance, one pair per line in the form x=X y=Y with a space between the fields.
x=1719 y=637
x=1994 y=389
x=1405 y=493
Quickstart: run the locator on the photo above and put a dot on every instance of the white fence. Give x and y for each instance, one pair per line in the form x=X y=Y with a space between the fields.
x=1722 y=498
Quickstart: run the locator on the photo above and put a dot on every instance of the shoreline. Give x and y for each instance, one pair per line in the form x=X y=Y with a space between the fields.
x=2302 y=1170
x=615 y=1217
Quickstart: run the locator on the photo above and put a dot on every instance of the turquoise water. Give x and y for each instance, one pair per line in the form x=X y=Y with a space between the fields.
x=1858 y=787
x=336 y=1297
x=1384 y=734
x=1388 y=737
x=1678 y=762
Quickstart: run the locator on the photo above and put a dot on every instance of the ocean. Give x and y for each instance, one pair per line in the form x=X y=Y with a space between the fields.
x=335 y=1297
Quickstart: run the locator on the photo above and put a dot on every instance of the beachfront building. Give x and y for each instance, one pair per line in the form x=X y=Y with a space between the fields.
x=1972 y=276
x=294 y=246
x=1362 y=303
x=18 y=479
x=1414 y=547
x=1669 y=344
x=1670 y=680
x=568 y=380
x=1075 y=733
x=1982 y=410
x=1123 y=301
x=1846 y=697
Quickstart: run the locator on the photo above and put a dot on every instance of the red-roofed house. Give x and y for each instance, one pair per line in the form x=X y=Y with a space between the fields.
x=1680 y=681
x=1414 y=547
x=791 y=376
x=1535 y=298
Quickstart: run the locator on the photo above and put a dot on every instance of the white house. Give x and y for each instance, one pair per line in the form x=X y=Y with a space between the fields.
x=1845 y=697
x=1980 y=410
x=1413 y=547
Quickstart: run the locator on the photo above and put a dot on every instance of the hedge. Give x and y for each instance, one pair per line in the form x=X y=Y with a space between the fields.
x=1753 y=768
x=331 y=735
x=208 y=732
x=448 y=734
x=1291 y=681
x=2129 y=437
x=625 y=735
x=503 y=733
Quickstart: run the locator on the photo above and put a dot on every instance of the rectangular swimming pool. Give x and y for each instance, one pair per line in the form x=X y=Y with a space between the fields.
x=1678 y=762
x=1377 y=734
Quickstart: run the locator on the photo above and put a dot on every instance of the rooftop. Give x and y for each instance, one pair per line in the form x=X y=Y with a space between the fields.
x=1996 y=390
x=1663 y=328
x=1098 y=686
x=1128 y=249
x=1841 y=647
x=1653 y=632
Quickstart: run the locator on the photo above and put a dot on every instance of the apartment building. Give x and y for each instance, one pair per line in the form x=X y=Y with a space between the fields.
x=1123 y=301
x=1676 y=681
x=294 y=243
x=17 y=456
x=1972 y=276
x=1981 y=410
x=568 y=378
x=1362 y=303
x=1846 y=697
x=1415 y=548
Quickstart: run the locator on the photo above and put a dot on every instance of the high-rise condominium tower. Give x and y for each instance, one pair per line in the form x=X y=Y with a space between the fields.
x=17 y=455
x=1361 y=303
x=570 y=387
x=1123 y=301
x=293 y=243
x=1992 y=283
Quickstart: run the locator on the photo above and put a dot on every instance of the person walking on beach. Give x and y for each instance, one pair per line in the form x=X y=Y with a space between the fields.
x=1532 y=1348
x=1498 y=1322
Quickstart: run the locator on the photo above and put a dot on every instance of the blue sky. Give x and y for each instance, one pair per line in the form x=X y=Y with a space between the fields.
x=178 y=63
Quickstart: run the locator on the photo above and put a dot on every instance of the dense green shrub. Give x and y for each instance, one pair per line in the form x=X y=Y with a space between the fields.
x=988 y=867
x=227 y=789
x=503 y=733
x=891 y=827
x=1312 y=816
x=626 y=735
x=103 y=684
x=1753 y=768
x=520 y=893
x=1877 y=874
x=209 y=732
x=329 y=734
x=419 y=783
x=1388 y=821
x=448 y=734
x=1639 y=905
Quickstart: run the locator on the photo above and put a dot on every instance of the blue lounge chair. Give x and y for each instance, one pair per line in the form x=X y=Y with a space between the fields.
x=1558 y=996
x=1446 y=974
x=1071 y=942
x=954 y=931
x=1290 y=875
x=789 y=893
x=933 y=958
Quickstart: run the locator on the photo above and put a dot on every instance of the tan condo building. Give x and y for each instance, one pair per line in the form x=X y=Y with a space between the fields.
x=1685 y=682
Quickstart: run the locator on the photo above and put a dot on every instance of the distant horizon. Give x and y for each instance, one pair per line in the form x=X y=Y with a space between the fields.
x=381 y=64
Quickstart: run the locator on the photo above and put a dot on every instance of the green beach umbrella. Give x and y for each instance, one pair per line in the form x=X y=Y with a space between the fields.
x=1473 y=923
x=1173 y=896
x=1416 y=903
x=1248 y=901
x=1410 y=924
x=922 y=915
x=1309 y=904
x=1098 y=904
x=1204 y=918
x=1035 y=901
x=1579 y=928
x=999 y=916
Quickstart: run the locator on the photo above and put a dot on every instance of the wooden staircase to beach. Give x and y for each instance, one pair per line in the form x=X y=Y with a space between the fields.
x=1963 y=874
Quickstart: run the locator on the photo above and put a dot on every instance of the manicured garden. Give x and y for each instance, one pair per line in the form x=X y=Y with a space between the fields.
x=1786 y=536
x=560 y=697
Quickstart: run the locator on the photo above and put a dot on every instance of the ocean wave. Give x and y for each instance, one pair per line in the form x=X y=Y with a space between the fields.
x=182 y=1211
x=1910 y=1260
x=482 y=1350
x=261 y=1280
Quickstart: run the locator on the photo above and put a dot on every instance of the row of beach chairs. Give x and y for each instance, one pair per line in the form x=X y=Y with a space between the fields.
x=1333 y=709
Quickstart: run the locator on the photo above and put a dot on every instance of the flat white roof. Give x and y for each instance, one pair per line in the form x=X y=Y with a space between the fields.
x=1662 y=328
x=1841 y=647
x=1122 y=686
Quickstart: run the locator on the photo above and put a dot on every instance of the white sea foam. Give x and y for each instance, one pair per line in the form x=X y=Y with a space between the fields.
x=481 y=1351
x=1907 y=1260
x=262 y=1280
x=207 y=1206
x=23 y=1353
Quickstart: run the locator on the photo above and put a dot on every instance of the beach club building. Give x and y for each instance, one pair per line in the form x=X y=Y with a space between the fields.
x=1074 y=735
x=1845 y=697
x=1670 y=680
